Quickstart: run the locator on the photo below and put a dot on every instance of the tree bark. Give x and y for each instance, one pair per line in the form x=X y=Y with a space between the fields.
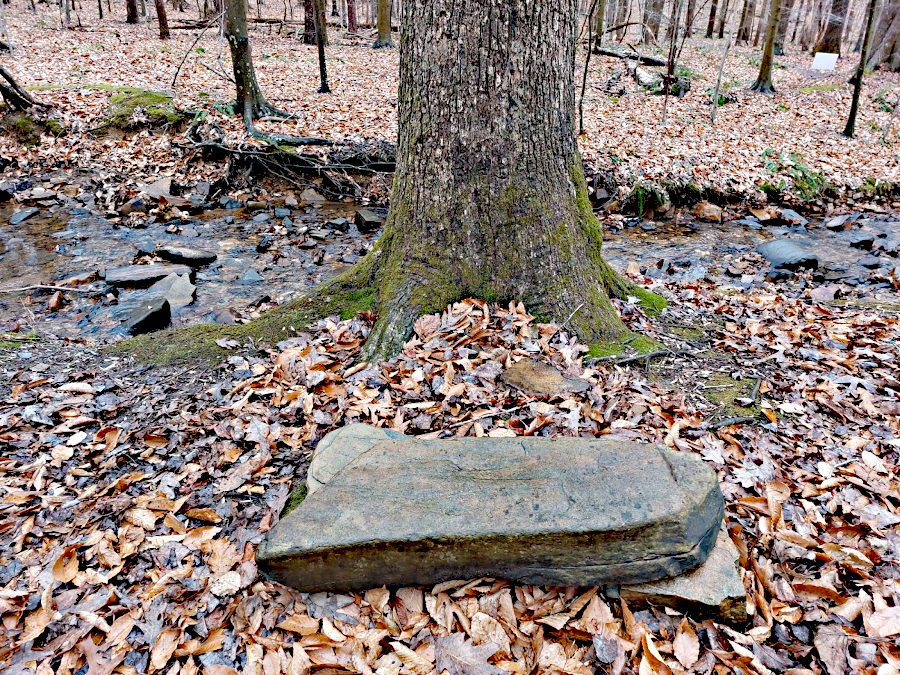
x=884 y=45
x=250 y=100
x=162 y=18
x=763 y=82
x=601 y=22
x=711 y=24
x=830 y=40
x=850 y=129
x=131 y=11
x=352 y=25
x=309 y=23
x=13 y=95
x=384 y=25
x=689 y=19
x=724 y=19
x=746 y=24
x=489 y=198
x=784 y=18
x=652 y=21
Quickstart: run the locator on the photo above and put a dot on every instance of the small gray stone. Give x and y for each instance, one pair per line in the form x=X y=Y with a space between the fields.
x=860 y=239
x=367 y=220
x=535 y=377
x=282 y=212
x=141 y=276
x=261 y=217
x=187 y=256
x=151 y=315
x=787 y=254
x=23 y=215
x=341 y=224
x=564 y=511
x=177 y=289
x=793 y=217
x=712 y=590
x=251 y=276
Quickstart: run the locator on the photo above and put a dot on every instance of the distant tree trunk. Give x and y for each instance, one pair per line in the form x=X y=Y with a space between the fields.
x=322 y=23
x=811 y=25
x=830 y=40
x=601 y=16
x=724 y=19
x=689 y=19
x=622 y=14
x=850 y=129
x=784 y=17
x=309 y=23
x=653 y=12
x=766 y=8
x=884 y=44
x=250 y=100
x=320 y=44
x=384 y=25
x=711 y=24
x=763 y=82
x=131 y=13
x=334 y=8
x=743 y=34
x=799 y=22
x=67 y=12
x=162 y=18
x=100 y=8
x=352 y=26
x=489 y=198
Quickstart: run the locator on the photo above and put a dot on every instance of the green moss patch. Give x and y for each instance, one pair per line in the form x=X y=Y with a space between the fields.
x=821 y=87
x=722 y=390
x=16 y=340
x=188 y=344
x=139 y=108
x=296 y=498
x=633 y=342
x=28 y=128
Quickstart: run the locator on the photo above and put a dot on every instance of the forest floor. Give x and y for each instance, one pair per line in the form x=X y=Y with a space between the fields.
x=133 y=496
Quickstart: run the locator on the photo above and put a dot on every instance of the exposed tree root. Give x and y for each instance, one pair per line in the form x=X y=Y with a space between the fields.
x=16 y=97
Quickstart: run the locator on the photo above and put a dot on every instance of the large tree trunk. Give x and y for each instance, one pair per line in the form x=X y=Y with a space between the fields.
x=884 y=45
x=763 y=82
x=653 y=12
x=384 y=25
x=830 y=40
x=162 y=18
x=250 y=100
x=489 y=197
x=131 y=11
x=784 y=18
x=352 y=25
x=746 y=26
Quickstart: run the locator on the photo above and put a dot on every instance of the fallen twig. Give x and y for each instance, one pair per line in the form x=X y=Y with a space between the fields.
x=42 y=287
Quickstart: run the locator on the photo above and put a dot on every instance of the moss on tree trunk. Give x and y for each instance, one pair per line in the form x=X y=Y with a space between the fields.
x=489 y=197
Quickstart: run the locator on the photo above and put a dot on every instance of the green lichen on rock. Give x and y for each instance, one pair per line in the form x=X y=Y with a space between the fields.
x=139 y=108
x=296 y=498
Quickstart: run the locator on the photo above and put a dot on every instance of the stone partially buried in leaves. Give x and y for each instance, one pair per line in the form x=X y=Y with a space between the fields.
x=536 y=377
x=567 y=511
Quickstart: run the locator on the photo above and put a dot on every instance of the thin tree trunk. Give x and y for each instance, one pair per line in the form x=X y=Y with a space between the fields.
x=320 y=44
x=766 y=9
x=162 y=18
x=711 y=24
x=489 y=198
x=724 y=19
x=250 y=100
x=850 y=129
x=601 y=17
x=763 y=82
x=830 y=40
x=783 y=20
x=309 y=23
x=653 y=12
x=131 y=11
x=321 y=25
x=352 y=26
x=384 y=25
x=15 y=97
x=100 y=8
x=743 y=34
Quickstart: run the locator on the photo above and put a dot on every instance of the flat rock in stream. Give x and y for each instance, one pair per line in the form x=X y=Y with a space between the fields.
x=153 y=314
x=23 y=215
x=186 y=256
x=563 y=511
x=141 y=276
x=177 y=289
x=787 y=254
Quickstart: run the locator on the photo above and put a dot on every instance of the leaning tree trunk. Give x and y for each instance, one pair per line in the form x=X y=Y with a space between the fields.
x=384 y=25
x=763 y=82
x=884 y=45
x=850 y=129
x=489 y=197
x=830 y=40
x=13 y=95
x=131 y=11
x=162 y=18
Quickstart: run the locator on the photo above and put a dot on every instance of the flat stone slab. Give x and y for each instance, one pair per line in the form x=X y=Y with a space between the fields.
x=142 y=275
x=187 y=256
x=562 y=511
x=712 y=590
x=536 y=377
x=787 y=254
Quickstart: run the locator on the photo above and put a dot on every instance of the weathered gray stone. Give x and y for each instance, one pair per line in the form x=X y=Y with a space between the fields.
x=341 y=447
x=787 y=254
x=535 y=377
x=153 y=314
x=178 y=290
x=139 y=276
x=367 y=220
x=712 y=590
x=23 y=215
x=545 y=511
x=187 y=256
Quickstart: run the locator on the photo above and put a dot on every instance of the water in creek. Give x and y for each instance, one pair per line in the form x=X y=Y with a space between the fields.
x=272 y=254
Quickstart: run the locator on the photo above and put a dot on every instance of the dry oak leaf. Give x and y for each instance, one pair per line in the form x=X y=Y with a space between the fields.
x=882 y=624
x=164 y=648
x=686 y=645
x=459 y=656
x=832 y=643
x=66 y=566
